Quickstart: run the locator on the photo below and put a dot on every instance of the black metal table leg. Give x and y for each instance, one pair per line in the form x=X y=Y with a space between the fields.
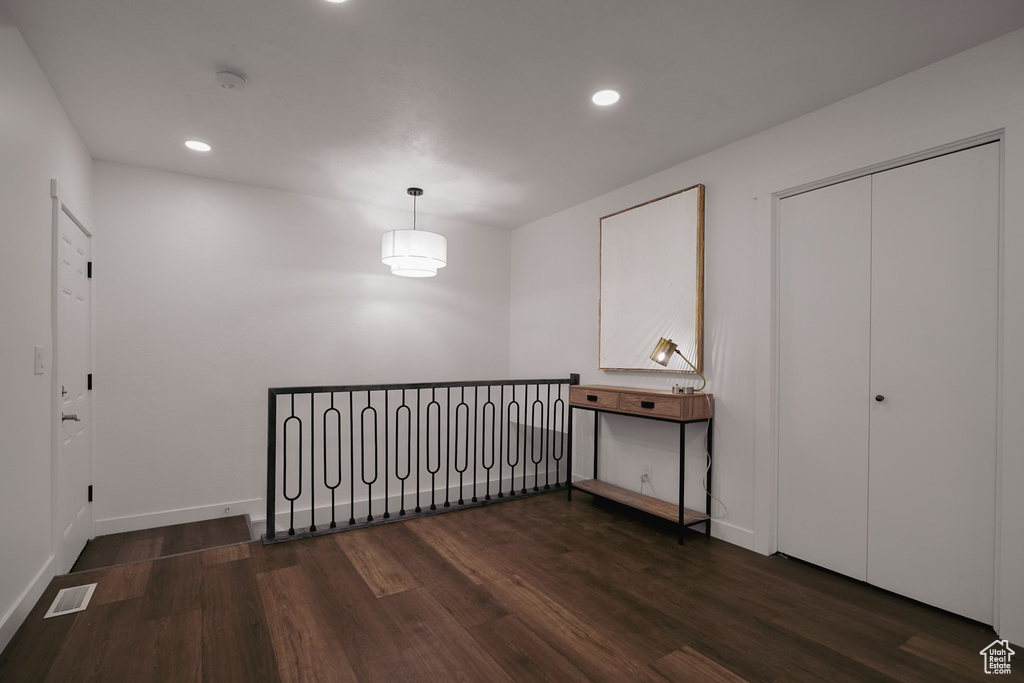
x=711 y=464
x=568 y=459
x=682 y=477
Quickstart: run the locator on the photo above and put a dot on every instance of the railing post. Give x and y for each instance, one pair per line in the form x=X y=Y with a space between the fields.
x=271 y=463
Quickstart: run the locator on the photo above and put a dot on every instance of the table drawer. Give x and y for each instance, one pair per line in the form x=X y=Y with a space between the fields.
x=593 y=398
x=646 y=404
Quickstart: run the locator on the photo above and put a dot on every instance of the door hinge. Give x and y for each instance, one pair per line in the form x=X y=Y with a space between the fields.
x=90 y=493
x=88 y=380
x=88 y=272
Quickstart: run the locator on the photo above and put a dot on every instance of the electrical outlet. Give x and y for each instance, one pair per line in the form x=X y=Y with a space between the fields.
x=227 y=511
x=646 y=476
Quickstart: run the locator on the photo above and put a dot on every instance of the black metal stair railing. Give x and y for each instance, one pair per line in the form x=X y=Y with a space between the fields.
x=352 y=456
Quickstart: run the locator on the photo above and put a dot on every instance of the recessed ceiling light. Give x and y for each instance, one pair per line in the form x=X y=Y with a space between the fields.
x=605 y=97
x=197 y=145
x=335 y=1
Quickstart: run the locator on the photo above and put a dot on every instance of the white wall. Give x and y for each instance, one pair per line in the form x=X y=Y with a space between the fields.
x=37 y=143
x=555 y=284
x=208 y=293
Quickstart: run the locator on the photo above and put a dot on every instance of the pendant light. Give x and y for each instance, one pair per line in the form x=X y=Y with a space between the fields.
x=414 y=253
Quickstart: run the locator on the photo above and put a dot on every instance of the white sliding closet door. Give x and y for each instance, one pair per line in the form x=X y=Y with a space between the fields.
x=888 y=288
x=931 y=524
x=824 y=342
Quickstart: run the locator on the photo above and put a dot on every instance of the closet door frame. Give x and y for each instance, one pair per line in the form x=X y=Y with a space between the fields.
x=768 y=195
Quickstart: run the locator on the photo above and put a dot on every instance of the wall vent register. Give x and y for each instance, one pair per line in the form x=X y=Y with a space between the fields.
x=70 y=600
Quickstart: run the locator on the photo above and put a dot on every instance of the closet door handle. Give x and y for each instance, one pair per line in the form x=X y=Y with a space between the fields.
x=879 y=398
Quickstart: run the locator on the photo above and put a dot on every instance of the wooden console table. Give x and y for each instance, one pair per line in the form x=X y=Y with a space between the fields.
x=652 y=405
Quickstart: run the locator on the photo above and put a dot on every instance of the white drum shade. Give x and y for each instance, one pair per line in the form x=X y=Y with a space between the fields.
x=414 y=253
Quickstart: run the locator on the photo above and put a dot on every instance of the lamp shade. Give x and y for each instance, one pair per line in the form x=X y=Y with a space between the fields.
x=414 y=253
x=663 y=351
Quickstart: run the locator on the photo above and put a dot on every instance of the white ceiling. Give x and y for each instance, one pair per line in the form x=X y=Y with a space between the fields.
x=484 y=104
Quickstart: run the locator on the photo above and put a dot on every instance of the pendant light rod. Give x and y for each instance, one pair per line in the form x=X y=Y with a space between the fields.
x=415 y=192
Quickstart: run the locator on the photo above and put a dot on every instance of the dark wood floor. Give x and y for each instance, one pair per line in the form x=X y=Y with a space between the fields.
x=533 y=590
x=149 y=544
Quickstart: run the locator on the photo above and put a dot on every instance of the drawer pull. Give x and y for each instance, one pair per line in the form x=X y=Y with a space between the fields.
x=592 y=398
x=646 y=404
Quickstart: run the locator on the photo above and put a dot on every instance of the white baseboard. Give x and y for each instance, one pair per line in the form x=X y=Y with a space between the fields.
x=258 y=526
x=256 y=510
x=744 y=538
x=153 y=520
x=16 y=615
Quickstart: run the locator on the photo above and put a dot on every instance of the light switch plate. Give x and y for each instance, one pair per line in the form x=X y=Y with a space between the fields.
x=39 y=360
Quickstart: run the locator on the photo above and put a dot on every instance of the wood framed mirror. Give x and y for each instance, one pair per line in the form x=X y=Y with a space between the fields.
x=652 y=282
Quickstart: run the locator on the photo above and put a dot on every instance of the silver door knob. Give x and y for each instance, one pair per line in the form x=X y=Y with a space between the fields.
x=879 y=398
x=65 y=418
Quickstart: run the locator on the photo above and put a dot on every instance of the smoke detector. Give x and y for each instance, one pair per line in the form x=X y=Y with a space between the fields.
x=230 y=80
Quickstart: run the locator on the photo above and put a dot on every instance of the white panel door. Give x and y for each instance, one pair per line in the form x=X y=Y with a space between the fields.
x=824 y=325
x=931 y=525
x=74 y=457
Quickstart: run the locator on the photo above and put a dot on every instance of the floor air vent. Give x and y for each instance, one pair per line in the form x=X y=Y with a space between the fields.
x=70 y=600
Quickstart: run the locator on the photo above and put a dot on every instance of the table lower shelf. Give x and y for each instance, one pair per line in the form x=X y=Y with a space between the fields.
x=639 y=501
